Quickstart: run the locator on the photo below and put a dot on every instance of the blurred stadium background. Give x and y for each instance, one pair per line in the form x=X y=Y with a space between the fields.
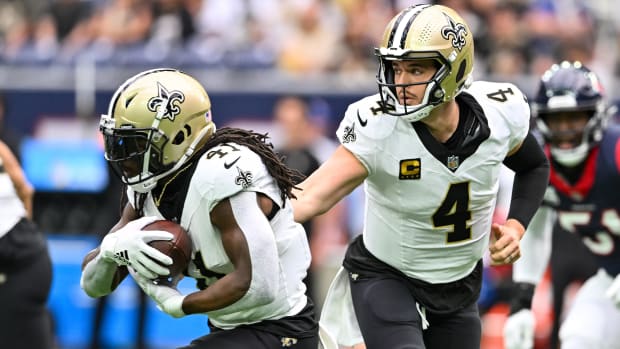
x=60 y=61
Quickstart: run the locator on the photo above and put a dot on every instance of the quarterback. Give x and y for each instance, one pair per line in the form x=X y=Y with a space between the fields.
x=230 y=191
x=571 y=114
x=428 y=148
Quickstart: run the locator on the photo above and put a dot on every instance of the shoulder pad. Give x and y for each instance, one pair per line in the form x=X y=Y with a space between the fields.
x=503 y=103
x=365 y=119
x=225 y=170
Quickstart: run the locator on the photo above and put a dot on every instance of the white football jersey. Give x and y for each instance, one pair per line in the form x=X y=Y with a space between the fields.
x=12 y=207
x=222 y=172
x=429 y=219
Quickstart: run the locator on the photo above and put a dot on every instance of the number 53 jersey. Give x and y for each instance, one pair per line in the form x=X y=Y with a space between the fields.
x=429 y=205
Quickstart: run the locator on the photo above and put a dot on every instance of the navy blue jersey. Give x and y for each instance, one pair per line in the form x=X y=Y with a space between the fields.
x=590 y=207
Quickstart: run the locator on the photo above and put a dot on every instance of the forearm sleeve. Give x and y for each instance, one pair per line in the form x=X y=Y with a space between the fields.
x=535 y=248
x=97 y=277
x=531 y=179
x=262 y=247
x=535 y=253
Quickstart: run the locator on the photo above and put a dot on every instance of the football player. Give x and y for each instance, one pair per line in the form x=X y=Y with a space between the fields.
x=429 y=148
x=25 y=265
x=230 y=191
x=571 y=114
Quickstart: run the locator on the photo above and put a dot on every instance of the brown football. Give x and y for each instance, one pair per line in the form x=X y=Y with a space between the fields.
x=179 y=248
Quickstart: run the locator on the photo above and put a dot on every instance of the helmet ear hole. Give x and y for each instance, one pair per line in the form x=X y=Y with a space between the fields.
x=179 y=138
x=182 y=135
x=461 y=72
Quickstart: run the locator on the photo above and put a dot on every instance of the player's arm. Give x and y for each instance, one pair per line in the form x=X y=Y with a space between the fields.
x=100 y=276
x=527 y=273
x=335 y=179
x=531 y=168
x=125 y=245
x=529 y=270
x=249 y=242
x=22 y=187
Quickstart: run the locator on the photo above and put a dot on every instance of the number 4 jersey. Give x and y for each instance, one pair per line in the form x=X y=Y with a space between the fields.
x=429 y=205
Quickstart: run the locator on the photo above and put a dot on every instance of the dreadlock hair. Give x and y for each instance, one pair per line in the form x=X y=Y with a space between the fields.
x=285 y=177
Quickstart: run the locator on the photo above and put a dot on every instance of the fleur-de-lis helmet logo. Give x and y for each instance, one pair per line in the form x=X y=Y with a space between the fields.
x=172 y=99
x=457 y=31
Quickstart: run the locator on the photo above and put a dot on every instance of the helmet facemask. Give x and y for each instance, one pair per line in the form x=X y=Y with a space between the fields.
x=570 y=91
x=135 y=155
x=433 y=94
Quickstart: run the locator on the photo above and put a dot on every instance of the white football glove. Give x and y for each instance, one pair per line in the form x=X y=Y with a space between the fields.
x=129 y=246
x=166 y=296
x=613 y=292
x=519 y=330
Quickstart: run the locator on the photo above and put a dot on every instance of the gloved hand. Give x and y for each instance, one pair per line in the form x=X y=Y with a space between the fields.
x=129 y=246
x=519 y=330
x=166 y=296
x=613 y=291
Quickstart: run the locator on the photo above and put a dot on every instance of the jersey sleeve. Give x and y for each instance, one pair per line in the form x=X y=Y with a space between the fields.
x=363 y=129
x=518 y=116
x=228 y=171
x=507 y=105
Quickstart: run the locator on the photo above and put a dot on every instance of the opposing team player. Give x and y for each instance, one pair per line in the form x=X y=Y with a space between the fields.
x=230 y=191
x=429 y=147
x=571 y=113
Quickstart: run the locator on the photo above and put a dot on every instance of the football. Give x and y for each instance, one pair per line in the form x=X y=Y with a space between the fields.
x=179 y=248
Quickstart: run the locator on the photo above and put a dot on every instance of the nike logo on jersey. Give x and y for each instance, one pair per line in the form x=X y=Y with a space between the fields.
x=229 y=165
x=359 y=118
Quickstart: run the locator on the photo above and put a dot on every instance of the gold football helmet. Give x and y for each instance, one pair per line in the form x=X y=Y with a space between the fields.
x=155 y=121
x=423 y=32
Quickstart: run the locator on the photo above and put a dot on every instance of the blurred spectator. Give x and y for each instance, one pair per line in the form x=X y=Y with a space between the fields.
x=310 y=46
x=241 y=32
x=18 y=20
x=172 y=27
x=364 y=20
x=66 y=28
x=121 y=24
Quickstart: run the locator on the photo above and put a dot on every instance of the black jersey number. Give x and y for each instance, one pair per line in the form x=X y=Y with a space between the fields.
x=454 y=212
x=501 y=95
x=222 y=150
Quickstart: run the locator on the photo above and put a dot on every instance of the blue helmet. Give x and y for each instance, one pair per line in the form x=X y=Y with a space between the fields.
x=570 y=87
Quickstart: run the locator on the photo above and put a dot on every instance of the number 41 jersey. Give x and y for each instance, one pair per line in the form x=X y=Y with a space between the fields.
x=429 y=205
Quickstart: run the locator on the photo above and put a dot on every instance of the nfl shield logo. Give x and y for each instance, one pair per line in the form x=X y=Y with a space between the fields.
x=453 y=162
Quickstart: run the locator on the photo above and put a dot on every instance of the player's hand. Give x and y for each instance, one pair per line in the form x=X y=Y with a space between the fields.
x=129 y=246
x=519 y=330
x=613 y=291
x=505 y=242
x=167 y=297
